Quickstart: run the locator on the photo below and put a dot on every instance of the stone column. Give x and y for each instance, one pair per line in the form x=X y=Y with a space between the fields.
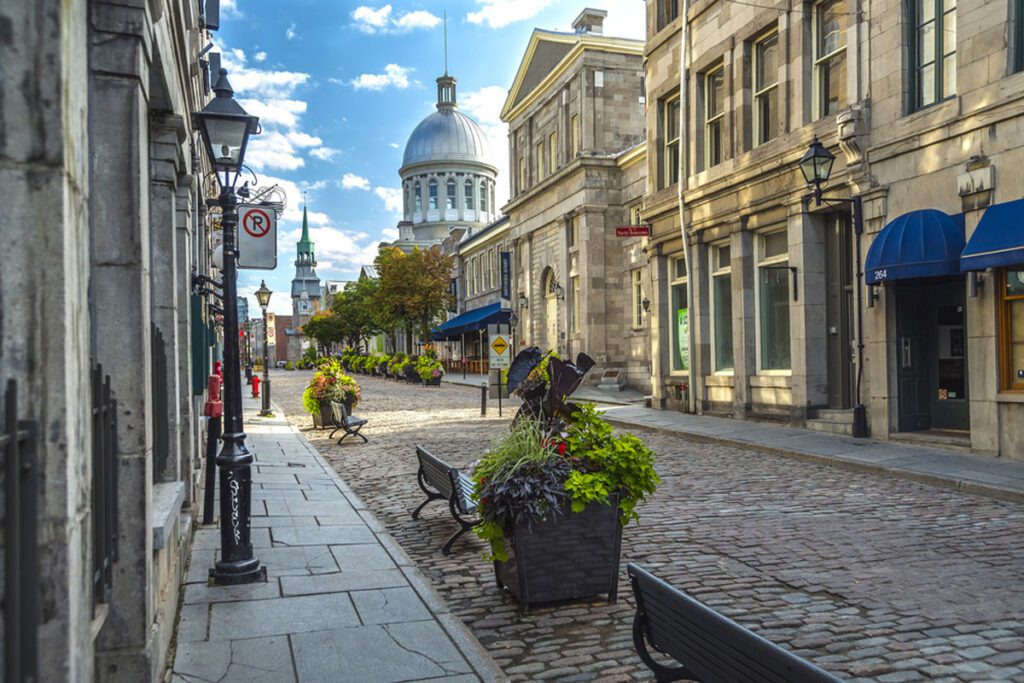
x=187 y=425
x=592 y=226
x=744 y=320
x=700 y=321
x=164 y=270
x=809 y=380
x=119 y=201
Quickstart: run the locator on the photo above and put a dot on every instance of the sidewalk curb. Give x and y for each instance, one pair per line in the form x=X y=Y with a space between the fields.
x=462 y=637
x=963 y=485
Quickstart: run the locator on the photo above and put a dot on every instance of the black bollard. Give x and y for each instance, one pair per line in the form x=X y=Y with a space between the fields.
x=483 y=399
x=212 y=437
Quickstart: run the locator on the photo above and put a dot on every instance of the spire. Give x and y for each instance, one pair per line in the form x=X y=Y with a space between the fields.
x=305 y=245
x=446 y=83
x=305 y=223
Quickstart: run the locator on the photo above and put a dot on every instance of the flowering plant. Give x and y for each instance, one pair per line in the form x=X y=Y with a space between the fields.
x=329 y=383
x=428 y=368
x=557 y=458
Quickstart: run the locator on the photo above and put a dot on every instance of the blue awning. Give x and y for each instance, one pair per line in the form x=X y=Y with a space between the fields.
x=998 y=240
x=470 y=321
x=924 y=243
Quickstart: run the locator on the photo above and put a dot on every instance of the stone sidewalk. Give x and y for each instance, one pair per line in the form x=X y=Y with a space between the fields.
x=997 y=478
x=343 y=602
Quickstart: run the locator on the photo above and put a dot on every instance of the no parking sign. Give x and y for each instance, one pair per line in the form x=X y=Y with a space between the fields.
x=257 y=237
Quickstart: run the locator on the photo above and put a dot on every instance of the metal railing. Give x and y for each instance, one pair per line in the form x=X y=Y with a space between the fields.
x=104 y=485
x=161 y=423
x=20 y=542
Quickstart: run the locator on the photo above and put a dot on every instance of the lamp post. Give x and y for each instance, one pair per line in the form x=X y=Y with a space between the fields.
x=263 y=296
x=816 y=166
x=225 y=128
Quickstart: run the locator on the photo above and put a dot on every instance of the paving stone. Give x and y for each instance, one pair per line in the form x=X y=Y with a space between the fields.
x=384 y=653
x=237 y=661
x=205 y=593
x=289 y=615
x=389 y=605
x=342 y=581
x=322 y=535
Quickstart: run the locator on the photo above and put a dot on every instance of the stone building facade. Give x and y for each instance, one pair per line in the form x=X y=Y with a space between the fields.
x=105 y=225
x=576 y=124
x=780 y=321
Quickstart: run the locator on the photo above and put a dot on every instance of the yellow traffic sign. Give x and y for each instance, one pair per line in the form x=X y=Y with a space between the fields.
x=499 y=345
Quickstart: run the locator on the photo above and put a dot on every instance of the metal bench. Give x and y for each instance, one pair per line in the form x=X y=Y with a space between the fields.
x=441 y=481
x=709 y=646
x=344 y=420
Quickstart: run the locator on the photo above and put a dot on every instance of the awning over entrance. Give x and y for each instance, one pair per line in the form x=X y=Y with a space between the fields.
x=924 y=243
x=998 y=240
x=470 y=321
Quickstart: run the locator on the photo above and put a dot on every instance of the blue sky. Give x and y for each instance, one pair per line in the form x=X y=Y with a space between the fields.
x=339 y=86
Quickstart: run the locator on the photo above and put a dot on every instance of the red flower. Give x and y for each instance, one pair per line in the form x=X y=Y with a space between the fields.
x=561 y=448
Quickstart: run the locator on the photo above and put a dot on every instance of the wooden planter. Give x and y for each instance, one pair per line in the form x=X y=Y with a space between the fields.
x=322 y=420
x=567 y=557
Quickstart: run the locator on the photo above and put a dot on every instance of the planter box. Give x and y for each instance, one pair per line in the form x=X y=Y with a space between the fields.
x=567 y=557
x=433 y=382
x=322 y=420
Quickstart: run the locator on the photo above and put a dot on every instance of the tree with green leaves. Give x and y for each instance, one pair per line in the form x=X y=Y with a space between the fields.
x=357 y=310
x=414 y=288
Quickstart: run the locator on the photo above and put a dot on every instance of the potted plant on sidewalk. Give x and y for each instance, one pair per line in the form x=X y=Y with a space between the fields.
x=554 y=492
x=430 y=371
x=329 y=383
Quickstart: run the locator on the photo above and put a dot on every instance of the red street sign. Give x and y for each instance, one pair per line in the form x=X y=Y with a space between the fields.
x=633 y=231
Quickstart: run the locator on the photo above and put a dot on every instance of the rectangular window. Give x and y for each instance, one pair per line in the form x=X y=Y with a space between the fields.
x=670 y=127
x=553 y=151
x=573 y=230
x=638 y=297
x=469 y=276
x=714 y=116
x=450 y=198
x=830 y=56
x=1018 y=35
x=493 y=278
x=680 y=326
x=575 y=284
x=432 y=195
x=540 y=161
x=522 y=176
x=766 y=90
x=932 y=43
x=679 y=268
x=1011 y=328
x=479 y=271
x=773 y=301
x=575 y=135
x=721 y=307
x=635 y=217
x=668 y=11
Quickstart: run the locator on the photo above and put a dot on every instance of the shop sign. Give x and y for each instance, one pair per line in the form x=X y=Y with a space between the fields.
x=633 y=231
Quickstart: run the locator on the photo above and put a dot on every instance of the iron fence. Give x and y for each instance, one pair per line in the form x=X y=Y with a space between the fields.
x=104 y=485
x=20 y=543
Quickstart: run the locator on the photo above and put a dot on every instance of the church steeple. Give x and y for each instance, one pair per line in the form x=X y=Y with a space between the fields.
x=446 y=83
x=305 y=253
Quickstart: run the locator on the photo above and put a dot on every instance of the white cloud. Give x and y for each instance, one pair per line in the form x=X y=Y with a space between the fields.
x=290 y=33
x=392 y=198
x=275 y=111
x=499 y=13
x=229 y=10
x=351 y=181
x=484 y=106
x=375 y=21
x=324 y=153
x=394 y=145
x=394 y=76
x=260 y=56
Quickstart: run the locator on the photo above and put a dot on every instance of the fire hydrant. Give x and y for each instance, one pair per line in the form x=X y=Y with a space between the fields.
x=255 y=386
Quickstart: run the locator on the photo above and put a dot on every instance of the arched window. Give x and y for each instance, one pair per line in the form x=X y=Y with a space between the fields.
x=418 y=197
x=467 y=191
x=432 y=194
x=450 y=194
x=483 y=197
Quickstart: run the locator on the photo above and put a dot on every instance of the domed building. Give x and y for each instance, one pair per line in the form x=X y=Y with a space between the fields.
x=447 y=175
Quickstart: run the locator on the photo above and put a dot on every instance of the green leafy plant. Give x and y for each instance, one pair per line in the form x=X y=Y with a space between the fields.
x=329 y=383
x=429 y=368
x=289 y=366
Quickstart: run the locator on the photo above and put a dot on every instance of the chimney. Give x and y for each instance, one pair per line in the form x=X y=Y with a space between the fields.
x=590 y=21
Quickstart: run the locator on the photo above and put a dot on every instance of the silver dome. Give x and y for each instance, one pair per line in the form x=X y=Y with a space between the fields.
x=447 y=135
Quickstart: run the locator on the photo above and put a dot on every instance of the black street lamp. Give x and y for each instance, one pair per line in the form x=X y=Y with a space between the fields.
x=225 y=128
x=263 y=297
x=816 y=166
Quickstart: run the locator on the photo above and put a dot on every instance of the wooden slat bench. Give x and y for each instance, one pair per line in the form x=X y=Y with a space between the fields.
x=709 y=646
x=344 y=420
x=441 y=481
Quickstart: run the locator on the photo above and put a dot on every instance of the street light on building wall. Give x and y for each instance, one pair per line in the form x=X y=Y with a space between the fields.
x=263 y=297
x=816 y=166
x=225 y=128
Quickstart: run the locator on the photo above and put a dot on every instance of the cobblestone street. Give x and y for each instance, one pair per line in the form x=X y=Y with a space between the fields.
x=867 y=576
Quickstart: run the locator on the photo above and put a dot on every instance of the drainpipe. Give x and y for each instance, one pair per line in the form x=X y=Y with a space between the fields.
x=684 y=149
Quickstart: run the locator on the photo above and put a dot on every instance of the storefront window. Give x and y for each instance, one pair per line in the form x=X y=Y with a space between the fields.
x=679 y=319
x=1012 y=329
x=773 y=301
x=721 y=292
